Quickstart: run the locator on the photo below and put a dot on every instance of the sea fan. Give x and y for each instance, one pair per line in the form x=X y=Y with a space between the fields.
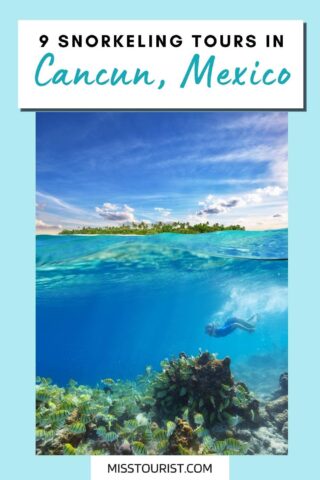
x=68 y=449
x=45 y=435
x=146 y=435
x=170 y=428
x=162 y=446
x=198 y=419
x=160 y=434
x=219 y=446
x=232 y=420
x=230 y=446
x=118 y=408
x=58 y=416
x=208 y=443
x=139 y=448
x=77 y=428
x=42 y=394
x=184 y=451
x=108 y=437
x=130 y=425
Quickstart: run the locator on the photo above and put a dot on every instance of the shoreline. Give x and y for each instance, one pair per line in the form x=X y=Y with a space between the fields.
x=101 y=235
x=149 y=234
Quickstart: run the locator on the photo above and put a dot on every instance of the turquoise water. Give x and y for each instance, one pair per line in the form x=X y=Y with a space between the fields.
x=108 y=306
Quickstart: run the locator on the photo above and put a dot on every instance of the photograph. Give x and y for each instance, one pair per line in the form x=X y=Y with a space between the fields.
x=161 y=283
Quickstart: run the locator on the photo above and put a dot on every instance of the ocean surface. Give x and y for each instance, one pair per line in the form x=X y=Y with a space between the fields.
x=108 y=306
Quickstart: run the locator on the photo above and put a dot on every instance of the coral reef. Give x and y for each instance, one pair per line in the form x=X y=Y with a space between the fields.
x=183 y=438
x=272 y=433
x=203 y=385
x=192 y=406
x=283 y=381
x=278 y=412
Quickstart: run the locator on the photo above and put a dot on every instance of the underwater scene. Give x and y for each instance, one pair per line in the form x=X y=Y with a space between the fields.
x=162 y=344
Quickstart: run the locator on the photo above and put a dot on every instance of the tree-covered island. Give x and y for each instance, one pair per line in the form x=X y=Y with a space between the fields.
x=144 y=228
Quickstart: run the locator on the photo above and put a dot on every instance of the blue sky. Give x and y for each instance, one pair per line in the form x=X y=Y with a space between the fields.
x=109 y=168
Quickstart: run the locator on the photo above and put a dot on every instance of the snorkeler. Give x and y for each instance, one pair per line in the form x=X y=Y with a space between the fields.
x=230 y=326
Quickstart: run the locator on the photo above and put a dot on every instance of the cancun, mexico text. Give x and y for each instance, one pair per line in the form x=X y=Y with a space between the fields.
x=200 y=71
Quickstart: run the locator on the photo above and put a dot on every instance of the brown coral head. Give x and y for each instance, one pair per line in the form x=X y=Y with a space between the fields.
x=227 y=361
x=204 y=358
x=183 y=355
x=254 y=405
x=183 y=436
x=283 y=382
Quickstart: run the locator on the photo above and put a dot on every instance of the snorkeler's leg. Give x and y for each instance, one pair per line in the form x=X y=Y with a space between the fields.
x=244 y=326
x=230 y=321
x=227 y=329
x=254 y=319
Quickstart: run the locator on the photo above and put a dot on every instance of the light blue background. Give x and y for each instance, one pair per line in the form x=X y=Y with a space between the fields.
x=17 y=306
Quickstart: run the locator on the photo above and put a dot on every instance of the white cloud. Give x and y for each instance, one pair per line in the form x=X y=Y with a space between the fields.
x=267 y=221
x=260 y=153
x=61 y=204
x=213 y=205
x=270 y=191
x=261 y=122
x=116 y=213
x=42 y=226
x=276 y=157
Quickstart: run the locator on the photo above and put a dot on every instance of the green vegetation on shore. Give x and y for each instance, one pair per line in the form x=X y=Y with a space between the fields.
x=144 y=228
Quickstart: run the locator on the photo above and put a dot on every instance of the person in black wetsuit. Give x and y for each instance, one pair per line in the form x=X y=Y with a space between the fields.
x=230 y=326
